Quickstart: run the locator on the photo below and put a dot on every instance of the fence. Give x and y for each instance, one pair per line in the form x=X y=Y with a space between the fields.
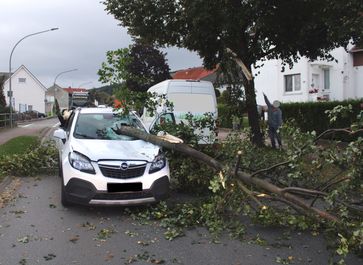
x=5 y=118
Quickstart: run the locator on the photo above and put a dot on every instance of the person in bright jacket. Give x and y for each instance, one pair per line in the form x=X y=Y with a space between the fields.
x=274 y=121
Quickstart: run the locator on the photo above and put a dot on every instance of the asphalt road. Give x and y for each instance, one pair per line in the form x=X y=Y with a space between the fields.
x=34 y=127
x=36 y=229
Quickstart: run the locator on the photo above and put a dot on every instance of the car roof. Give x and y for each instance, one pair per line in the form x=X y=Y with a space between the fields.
x=102 y=110
x=96 y=110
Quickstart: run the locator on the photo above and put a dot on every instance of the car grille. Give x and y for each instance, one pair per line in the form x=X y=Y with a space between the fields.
x=133 y=171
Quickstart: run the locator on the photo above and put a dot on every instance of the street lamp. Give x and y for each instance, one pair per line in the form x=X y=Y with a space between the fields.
x=55 y=79
x=10 y=92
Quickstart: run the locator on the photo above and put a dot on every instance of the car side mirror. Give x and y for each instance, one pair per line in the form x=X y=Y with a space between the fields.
x=60 y=134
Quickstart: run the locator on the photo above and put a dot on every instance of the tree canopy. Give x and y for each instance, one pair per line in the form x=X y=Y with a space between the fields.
x=252 y=29
x=147 y=67
x=2 y=97
x=140 y=66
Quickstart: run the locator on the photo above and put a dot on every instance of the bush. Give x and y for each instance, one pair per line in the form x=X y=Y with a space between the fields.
x=226 y=113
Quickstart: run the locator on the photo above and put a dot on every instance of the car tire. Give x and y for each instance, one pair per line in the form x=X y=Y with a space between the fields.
x=60 y=170
x=64 y=200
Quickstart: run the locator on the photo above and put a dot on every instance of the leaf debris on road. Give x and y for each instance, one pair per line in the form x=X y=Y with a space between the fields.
x=74 y=239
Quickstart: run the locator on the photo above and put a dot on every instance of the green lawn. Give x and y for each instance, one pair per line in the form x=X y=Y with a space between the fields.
x=18 y=145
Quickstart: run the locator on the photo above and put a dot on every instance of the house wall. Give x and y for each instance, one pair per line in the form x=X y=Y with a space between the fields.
x=358 y=81
x=270 y=80
x=27 y=93
x=60 y=95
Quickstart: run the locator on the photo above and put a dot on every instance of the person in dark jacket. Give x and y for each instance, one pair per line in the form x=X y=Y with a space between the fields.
x=274 y=121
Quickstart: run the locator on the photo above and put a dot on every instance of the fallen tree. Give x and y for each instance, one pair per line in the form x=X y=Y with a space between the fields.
x=305 y=186
x=294 y=196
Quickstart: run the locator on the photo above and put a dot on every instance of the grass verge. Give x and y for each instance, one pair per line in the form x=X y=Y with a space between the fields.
x=18 y=145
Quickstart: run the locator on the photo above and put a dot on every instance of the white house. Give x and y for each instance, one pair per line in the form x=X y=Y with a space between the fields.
x=306 y=81
x=313 y=80
x=28 y=91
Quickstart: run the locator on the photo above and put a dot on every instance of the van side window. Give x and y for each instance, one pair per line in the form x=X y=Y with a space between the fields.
x=162 y=120
x=166 y=118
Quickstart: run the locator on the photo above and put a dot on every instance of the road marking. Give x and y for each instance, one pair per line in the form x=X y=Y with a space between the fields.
x=24 y=126
x=55 y=125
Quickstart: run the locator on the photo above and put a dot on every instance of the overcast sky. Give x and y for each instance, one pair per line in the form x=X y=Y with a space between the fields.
x=85 y=33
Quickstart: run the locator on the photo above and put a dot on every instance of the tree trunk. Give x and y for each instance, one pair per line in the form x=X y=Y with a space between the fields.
x=253 y=117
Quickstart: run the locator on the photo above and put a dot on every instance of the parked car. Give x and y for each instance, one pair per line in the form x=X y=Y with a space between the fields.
x=100 y=167
x=29 y=115
x=39 y=114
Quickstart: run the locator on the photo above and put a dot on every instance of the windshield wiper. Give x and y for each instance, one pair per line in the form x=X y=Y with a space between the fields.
x=85 y=136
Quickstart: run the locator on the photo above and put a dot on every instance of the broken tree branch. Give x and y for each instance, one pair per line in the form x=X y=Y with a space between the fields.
x=270 y=168
x=304 y=191
x=240 y=63
x=249 y=193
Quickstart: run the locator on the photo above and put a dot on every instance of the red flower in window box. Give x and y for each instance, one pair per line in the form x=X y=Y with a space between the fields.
x=313 y=90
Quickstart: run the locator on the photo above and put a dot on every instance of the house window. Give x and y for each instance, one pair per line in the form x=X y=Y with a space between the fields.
x=326 y=79
x=21 y=79
x=292 y=83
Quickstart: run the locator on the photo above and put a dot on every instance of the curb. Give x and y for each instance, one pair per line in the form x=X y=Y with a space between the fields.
x=4 y=183
x=45 y=134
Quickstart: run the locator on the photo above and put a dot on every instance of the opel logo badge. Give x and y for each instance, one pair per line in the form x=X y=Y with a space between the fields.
x=124 y=166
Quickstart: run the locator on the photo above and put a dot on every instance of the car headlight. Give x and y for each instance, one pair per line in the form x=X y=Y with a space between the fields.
x=158 y=163
x=81 y=162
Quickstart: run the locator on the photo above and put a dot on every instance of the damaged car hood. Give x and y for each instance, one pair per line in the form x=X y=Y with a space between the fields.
x=116 y=149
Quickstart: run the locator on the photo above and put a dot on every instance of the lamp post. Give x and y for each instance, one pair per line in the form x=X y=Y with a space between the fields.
x=10 y=92
x=55 y=79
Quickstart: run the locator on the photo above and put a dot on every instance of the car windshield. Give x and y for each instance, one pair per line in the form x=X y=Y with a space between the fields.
x=101 y=125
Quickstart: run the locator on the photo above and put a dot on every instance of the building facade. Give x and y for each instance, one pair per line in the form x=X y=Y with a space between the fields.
x=313 y=80
x=306 y=81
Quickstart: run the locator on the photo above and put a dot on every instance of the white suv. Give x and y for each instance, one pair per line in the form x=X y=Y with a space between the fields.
x=98 y=166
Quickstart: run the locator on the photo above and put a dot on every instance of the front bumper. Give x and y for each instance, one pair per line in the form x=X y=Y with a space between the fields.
x=84 y=192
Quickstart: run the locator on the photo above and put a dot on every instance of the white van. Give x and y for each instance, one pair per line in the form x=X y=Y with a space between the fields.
x=188 y=96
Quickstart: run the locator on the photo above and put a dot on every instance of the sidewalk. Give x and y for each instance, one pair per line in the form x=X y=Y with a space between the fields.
x=7 y=134
x=223 y=133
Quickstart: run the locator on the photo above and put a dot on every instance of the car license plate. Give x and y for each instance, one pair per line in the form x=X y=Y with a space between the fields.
x=124 y=187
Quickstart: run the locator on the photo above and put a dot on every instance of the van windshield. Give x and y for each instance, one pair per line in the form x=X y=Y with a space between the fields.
x=100 y=126
x=194 y=103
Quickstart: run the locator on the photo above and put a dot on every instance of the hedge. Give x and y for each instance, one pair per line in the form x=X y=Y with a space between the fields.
x=311 y=116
